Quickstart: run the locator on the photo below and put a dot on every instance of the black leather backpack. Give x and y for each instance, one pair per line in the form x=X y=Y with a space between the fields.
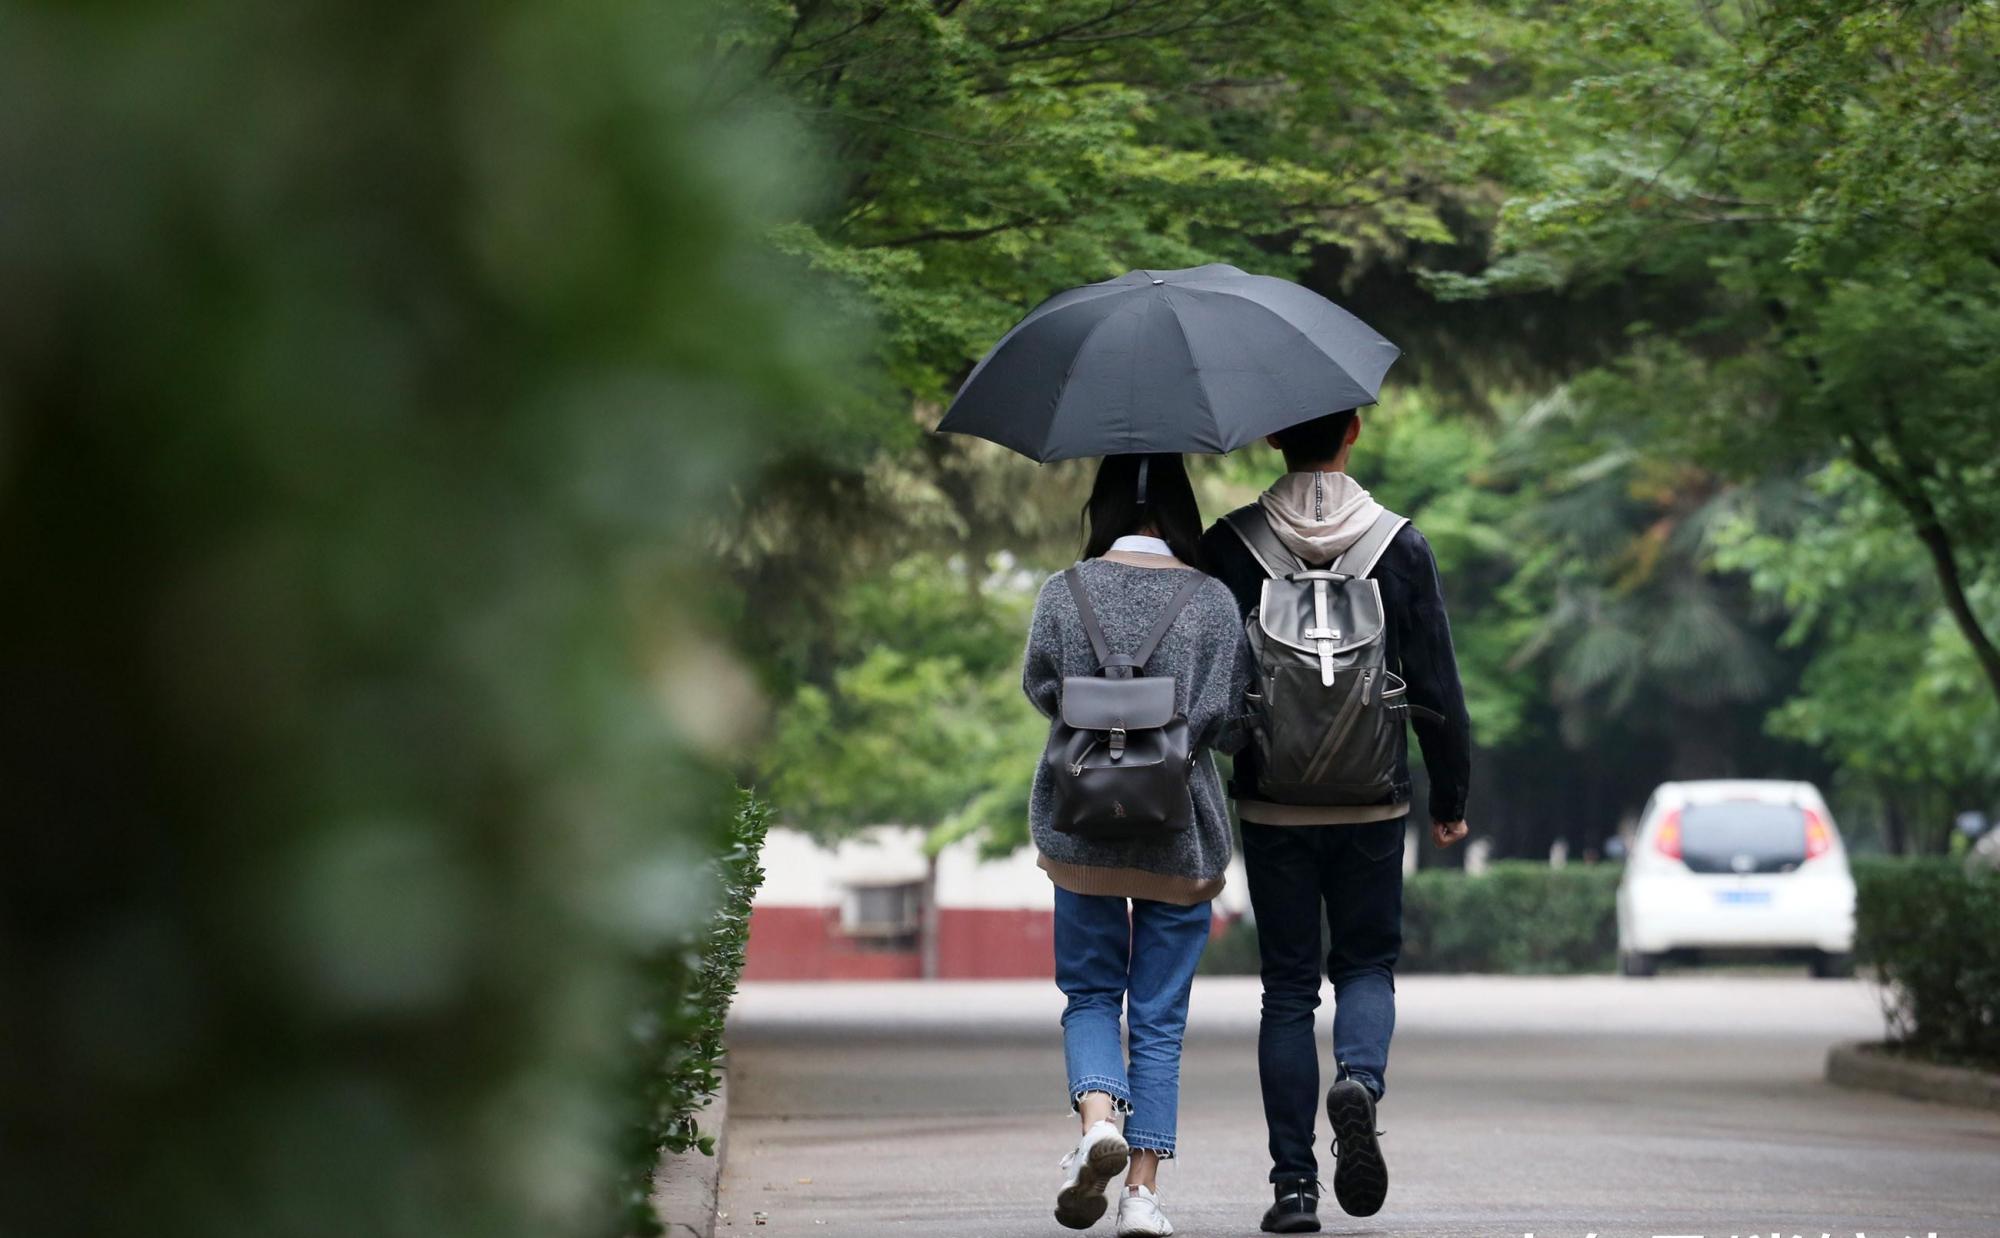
x=1328 y=712
x=1119 y=752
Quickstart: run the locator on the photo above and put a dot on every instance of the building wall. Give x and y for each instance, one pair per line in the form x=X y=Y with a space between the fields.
x=806 y=943
x=996 y=943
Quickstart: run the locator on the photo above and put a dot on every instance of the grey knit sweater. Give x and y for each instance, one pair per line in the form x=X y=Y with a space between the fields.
x=1207 y=655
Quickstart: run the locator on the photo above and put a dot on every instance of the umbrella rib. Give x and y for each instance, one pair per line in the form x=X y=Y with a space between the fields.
x=1194 y=368
x=1035 y=318
x=1069 y=372
x=1132 y=370
x=1299 y=331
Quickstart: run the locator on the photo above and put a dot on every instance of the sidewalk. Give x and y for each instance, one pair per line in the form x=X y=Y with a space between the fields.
x=1561 y=1107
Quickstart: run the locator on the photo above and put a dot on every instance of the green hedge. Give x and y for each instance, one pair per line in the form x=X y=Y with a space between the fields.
x=1232 y=952
x=1930 y=929
x=680 y=1040
x=1519 y=917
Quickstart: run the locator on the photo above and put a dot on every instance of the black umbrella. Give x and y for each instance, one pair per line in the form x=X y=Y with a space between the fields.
x=1201 y=360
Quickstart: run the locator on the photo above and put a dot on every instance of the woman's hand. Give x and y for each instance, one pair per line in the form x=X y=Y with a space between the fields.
x=1445 y=833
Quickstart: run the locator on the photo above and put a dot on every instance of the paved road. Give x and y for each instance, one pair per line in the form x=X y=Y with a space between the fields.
x=1558 y=1107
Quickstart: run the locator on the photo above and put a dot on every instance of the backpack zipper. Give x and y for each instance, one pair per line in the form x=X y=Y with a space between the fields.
x=1076 y=766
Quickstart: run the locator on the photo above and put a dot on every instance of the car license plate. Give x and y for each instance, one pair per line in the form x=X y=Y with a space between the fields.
x=1743 y=898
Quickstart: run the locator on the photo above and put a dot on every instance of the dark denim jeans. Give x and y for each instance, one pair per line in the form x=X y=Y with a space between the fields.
x=1354 y=872
x=1134 y=959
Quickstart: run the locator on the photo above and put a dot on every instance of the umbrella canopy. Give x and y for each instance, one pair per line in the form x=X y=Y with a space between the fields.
x=1200 y=360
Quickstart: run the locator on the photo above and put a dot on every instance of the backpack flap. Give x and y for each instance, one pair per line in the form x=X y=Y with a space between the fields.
x=1117 y=706
x=1321 y=614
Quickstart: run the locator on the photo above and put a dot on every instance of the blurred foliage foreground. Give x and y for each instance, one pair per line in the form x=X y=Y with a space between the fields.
x=365 y=371
x=679 y=1047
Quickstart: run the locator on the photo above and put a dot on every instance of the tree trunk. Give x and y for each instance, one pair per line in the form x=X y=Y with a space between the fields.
x=1895 y=839
x=927 y=928
x=1939 y=544
x=1931 y=532
x=1700 y=746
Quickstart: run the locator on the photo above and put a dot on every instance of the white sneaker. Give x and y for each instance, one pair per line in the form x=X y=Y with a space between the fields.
x=1139 y=1214
x=1100 y=1156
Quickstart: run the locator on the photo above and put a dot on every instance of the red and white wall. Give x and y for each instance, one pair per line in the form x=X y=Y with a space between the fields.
x=856 y=911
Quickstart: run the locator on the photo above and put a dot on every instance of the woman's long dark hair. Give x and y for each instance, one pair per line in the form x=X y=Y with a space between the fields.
x=1170 y=509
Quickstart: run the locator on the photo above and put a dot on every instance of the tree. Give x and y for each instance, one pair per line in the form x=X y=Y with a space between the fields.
x=1830 y=174
x=1734 y=242
x=987 y=156
x=981 y=157
x=924 y=722
x=1892 y=691
x=1631 y=621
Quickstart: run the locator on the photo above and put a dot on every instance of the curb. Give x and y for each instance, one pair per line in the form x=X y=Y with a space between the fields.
x=686 y=1185
x=1865 y=1065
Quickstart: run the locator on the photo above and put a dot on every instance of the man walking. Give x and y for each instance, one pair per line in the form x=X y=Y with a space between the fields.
x=1309 y=848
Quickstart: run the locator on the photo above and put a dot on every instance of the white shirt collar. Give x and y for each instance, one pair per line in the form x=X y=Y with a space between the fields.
x=1140 y=544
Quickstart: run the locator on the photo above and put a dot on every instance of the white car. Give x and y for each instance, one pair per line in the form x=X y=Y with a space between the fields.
x=1736 y=867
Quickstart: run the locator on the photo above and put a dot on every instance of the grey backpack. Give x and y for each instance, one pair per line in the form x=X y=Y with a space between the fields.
x=1328 y=713
x=1119 y=751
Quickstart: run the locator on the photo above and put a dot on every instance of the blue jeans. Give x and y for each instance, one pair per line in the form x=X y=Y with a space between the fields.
x=1138 y=961
x=1354 y=873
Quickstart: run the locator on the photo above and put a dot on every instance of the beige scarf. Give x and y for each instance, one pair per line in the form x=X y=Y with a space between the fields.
x=1318 y=515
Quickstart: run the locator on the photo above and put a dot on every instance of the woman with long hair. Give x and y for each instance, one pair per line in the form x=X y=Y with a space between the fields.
x=1132 y=910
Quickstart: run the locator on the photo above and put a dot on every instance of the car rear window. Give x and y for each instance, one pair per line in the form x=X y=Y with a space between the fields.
x=1743 y=836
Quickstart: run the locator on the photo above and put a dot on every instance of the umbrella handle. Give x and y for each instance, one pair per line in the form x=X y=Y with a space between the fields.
x=1145 y=462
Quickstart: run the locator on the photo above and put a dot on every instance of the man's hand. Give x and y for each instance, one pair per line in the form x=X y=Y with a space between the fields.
x=1445 y=833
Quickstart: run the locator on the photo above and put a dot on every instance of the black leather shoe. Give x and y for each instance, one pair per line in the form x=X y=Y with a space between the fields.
x=1297 y=1209
x=1361 y=1178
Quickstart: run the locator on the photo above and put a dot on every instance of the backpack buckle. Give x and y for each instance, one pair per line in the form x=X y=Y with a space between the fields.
x=1325 y=637
x=1117 y=735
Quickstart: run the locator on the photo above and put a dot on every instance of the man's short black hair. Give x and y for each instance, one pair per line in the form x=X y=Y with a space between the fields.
x=1315 y=441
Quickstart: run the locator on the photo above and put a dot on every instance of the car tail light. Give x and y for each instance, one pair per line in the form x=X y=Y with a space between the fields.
x=1668 y=840
x=1819 y=835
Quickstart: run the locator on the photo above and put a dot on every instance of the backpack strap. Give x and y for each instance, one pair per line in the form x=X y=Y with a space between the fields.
x=1254 y=528
x=1074 y=579
x=1359 y=559
x=1175 y=605
x=1123 y=666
